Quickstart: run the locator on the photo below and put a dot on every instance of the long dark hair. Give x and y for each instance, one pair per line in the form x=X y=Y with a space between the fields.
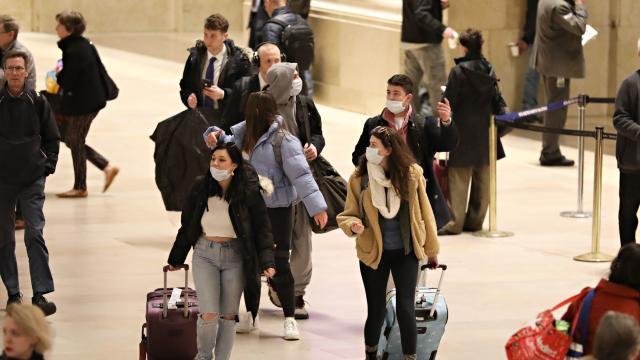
x=399 y=161
x=625 y=268
x=238 y=179
x=260 y=113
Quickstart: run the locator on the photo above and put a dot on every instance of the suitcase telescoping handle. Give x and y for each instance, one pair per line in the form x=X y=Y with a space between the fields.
x=437 y=295
x=165 y=301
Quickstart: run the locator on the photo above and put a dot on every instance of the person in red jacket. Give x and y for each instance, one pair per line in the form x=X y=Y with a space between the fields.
x=621 y=293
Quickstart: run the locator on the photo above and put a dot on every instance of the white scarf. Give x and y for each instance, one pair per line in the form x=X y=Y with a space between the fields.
x=377 y=183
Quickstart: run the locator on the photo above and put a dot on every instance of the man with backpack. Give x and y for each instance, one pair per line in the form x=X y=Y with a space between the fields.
x=293 y=36
x=29 y=145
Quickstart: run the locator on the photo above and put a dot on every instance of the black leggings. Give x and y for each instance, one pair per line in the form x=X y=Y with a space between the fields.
x=282 y=230
x=404 y=269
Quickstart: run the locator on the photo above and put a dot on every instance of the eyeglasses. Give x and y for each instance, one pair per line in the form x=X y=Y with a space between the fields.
x=15 y=69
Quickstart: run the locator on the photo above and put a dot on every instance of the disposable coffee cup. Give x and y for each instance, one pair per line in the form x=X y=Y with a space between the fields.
x=453 y=41
x=515 y=50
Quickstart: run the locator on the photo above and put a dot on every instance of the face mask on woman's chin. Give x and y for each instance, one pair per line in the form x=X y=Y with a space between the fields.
x=219 y=174
x=373 y=156
x=395 y=106
x=296 y=87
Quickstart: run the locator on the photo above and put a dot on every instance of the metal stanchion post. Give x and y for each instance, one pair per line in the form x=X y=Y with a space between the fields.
x=493 y=187
x=580 y=214
x=595 y=255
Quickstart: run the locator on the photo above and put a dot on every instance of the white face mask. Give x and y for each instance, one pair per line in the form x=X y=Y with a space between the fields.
x=395 y=107
x=219 y=174
x=373 y=156
x=296 y=87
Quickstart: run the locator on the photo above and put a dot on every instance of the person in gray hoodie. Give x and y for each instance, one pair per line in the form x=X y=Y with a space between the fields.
x=626 y=120
x=280 y=79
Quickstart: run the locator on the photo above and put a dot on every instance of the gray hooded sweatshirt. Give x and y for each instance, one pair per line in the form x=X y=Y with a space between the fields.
x=280 y=80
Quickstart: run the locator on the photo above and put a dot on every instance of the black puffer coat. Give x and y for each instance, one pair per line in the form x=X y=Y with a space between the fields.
x=250 y=221
x=237 y=66
x=79 y=80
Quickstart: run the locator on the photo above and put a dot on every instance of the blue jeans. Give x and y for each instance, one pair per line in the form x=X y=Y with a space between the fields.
x=531 y=83
x=31 y=199
x=219 y=278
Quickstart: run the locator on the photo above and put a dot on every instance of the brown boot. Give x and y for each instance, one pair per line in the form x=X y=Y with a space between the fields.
x=110 y=173
x=73 y=193
x=19 y=224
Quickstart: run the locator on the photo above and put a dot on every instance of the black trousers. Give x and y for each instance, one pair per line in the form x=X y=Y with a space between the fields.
x=404 y=269
x=629 y=203
x=282 y=229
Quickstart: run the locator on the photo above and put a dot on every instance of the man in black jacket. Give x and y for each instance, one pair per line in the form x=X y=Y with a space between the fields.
x=422 y=35
x=425 y=136
x=626 y=119
x=280 y=15
x=29 y=145
x=215 y=62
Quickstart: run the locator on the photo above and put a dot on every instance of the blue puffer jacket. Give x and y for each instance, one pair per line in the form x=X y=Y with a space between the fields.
x=293 y=180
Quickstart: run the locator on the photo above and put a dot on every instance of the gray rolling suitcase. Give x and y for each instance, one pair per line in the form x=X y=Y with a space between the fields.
x=430 y=321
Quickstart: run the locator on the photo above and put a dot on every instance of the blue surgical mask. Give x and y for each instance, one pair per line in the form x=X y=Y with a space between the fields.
x=219 y=174
x=373 y=156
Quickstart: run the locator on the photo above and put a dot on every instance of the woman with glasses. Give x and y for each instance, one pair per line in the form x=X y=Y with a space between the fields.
x=225 y=220
x=388 y=211
x=83 y=96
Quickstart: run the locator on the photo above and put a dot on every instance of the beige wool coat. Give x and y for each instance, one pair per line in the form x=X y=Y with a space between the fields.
x=369 y=244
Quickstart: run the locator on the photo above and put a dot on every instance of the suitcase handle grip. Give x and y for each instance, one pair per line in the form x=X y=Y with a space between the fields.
x=177 y=267
x=165 y=301
x=441 y=266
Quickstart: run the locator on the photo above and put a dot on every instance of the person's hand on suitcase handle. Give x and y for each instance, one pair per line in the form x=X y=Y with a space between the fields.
x=175 y=268
x=432 y=262
x=269 y=272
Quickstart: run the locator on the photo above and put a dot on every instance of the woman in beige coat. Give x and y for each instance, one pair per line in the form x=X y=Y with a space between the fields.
x=388 y=211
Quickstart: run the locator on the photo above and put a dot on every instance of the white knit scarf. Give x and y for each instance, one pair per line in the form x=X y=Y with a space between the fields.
x=377 y=183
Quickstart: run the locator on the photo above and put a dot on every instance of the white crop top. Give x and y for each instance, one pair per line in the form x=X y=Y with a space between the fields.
x=216 y=221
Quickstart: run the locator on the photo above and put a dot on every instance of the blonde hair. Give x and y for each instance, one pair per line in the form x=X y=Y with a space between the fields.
x=30 y=319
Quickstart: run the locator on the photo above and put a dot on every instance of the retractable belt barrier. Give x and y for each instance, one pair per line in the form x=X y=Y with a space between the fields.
x=511 y=120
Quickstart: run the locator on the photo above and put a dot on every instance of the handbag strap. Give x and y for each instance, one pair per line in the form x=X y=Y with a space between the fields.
x=567 y=302
x=582 y=321
x=305 y=117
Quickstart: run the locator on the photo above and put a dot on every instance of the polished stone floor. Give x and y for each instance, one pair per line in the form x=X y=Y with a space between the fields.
x=107 y=250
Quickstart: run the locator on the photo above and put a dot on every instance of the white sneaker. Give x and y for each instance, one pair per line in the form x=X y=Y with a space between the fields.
x=245 y=323
x=291 y=329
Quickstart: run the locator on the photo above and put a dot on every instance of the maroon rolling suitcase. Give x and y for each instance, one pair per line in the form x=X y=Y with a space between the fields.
x=170 y=333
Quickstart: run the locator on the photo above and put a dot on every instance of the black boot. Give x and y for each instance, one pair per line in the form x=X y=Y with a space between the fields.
x=47 y=307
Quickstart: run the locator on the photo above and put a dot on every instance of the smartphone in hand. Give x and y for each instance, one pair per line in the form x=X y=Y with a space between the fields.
x=206 y=83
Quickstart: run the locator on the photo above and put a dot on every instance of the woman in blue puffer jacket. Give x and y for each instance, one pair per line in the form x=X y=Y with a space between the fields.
x=292 y=180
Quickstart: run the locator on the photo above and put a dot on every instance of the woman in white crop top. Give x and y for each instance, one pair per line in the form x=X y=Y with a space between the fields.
x=225 y=220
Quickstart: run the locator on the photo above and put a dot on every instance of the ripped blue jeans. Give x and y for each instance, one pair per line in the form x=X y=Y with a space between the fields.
x=219 y=279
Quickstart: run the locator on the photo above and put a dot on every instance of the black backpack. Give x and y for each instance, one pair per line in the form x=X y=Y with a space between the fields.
x=297 y=41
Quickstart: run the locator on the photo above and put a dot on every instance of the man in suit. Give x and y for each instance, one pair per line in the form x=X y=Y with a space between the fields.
x=216 y=62
x=558 y=57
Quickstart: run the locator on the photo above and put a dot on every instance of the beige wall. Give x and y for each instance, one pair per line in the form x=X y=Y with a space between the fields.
x=126 y=16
